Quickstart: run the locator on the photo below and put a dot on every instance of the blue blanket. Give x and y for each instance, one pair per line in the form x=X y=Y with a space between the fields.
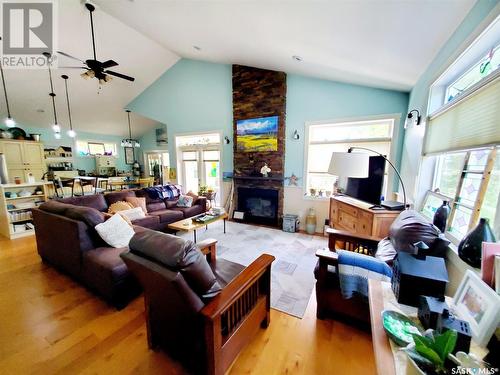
x=355 y=269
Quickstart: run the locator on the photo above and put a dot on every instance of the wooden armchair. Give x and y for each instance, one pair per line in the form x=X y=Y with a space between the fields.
x=328 y=295
x=204 y=333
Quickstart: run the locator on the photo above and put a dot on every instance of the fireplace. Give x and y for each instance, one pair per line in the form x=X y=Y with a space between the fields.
x=259 y=205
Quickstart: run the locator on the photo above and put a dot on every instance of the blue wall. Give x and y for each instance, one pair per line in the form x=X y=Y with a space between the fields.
x=86 y=163
x=310 y=99
x=195 y=96
x=192 y=96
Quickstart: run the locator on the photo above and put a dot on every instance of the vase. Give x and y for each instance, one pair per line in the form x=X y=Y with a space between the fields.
x=311 y=221
x=469 y=248
x=441 y=216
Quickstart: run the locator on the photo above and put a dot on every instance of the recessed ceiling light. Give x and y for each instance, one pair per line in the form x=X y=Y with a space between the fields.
x=297 y=58
x=198 y=48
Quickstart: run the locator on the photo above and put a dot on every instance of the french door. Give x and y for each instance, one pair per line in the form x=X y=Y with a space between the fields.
x=201 y=167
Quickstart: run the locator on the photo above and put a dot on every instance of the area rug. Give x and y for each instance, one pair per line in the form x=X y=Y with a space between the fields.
x=292 y=278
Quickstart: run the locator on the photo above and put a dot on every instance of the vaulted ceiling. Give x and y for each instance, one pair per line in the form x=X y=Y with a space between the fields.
x=379 y=43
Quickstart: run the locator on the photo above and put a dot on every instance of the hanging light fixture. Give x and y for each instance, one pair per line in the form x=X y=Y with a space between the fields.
x=9 y=121
x=56 y=127
x=129 y=142
x=71 y=133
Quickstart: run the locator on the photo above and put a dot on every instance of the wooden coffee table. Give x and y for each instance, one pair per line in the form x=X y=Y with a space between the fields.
x=188 y=225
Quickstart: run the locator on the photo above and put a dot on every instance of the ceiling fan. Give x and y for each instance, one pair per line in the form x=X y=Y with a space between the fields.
x=95 y=68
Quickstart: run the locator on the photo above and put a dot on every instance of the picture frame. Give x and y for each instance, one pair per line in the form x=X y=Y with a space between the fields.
x=129 y=155
x=257 y=134
x=497 y=274
x=161 y=136
x=478 y=304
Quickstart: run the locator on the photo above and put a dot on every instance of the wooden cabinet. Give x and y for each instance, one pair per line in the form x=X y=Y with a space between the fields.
x=355 y=216
x=23 y=158
x=16 y=202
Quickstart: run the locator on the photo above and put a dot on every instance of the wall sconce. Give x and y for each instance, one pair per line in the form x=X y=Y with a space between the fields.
x=413 y=118
x=227 y=140
x=296 y=135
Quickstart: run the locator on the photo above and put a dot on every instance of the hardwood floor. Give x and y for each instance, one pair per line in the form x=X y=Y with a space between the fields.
x=51 y=325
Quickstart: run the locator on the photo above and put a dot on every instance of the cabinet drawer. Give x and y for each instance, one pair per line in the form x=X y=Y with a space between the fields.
x=353 y=211
x=365 y=226
x=347 y=221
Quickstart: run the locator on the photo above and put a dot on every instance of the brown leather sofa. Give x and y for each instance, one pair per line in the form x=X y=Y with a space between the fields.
x=66 y=239
x=200 y=312
x=408 y=228
x=161 y=212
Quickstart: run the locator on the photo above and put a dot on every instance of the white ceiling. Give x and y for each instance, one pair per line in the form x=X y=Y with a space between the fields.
x=380 y=43
x=102 y=113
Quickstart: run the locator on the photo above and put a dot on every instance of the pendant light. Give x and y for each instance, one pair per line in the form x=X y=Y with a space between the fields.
x=9 y=121
x=71 y=133
x=56 y=127
x=129 y=142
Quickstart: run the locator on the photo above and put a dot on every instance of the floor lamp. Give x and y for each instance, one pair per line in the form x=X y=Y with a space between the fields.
x=353 y=164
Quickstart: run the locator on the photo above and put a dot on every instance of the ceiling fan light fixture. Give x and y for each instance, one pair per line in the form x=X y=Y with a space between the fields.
x=107 y=78
x=9 y=122
x=85 y=75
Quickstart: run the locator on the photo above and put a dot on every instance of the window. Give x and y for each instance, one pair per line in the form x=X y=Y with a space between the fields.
x=463 y=135
x=91 y=148
x=323 y=139
x=471 y=179
x=485 y=66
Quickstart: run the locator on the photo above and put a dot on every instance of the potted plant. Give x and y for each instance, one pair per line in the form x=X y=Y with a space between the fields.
x=202 y=190
x=430 y=355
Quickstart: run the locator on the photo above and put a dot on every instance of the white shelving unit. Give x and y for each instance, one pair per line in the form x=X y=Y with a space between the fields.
x=15 y=212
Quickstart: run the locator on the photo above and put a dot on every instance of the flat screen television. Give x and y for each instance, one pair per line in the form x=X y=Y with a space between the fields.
x=368 y=189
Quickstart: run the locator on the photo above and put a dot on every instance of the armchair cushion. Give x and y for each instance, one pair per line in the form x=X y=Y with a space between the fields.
x=411 y=227
x=179 y=255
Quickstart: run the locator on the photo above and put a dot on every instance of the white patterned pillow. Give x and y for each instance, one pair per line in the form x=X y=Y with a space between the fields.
x=115 y=231
x=133 y=213
x=185 y=201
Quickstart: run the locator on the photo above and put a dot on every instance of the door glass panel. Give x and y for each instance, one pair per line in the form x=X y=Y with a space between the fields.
x=189 y=155
x=211 y=155
x=212 y=177
x=191 y=175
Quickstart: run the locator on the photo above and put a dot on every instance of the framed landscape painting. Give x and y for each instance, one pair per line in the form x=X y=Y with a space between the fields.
x=257 y=134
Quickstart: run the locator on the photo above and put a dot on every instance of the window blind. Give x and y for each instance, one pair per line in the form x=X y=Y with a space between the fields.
x=472 y=121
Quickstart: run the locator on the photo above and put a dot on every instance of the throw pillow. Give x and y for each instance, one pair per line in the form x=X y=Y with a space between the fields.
x=133 y=213
x=185 y=201
x=138 y=202
x=191 y=194
x=115 y=231
x=119 y=206
x=108 y=216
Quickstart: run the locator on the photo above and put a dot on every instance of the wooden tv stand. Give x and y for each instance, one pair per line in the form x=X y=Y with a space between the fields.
x=355 y=216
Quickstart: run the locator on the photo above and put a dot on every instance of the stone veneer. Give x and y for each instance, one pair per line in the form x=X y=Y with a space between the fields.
x=259 y=93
